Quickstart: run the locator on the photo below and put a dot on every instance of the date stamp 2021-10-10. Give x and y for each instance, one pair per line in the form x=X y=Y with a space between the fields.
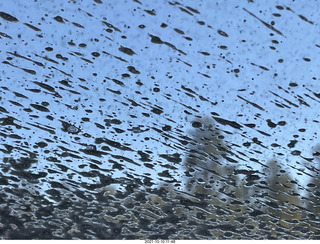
x=159 y=241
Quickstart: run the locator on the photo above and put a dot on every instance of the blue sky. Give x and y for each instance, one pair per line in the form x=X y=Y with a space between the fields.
x=224 y=70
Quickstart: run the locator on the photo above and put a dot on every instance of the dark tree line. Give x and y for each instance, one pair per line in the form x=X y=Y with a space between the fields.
x=216 y=198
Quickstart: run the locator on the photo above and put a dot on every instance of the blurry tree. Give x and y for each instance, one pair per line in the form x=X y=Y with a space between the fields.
x=313 y=194
x=269 y=199
x=204 y=163
x=314 y=184
x=208 y=172
x=280 y=201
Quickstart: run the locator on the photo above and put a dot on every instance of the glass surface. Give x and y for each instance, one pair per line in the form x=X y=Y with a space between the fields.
x=159 y=119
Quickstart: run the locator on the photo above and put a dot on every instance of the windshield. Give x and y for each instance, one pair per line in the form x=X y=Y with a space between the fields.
x=159 y=120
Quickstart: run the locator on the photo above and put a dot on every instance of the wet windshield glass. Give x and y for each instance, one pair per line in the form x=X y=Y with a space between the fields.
x=159 y=120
